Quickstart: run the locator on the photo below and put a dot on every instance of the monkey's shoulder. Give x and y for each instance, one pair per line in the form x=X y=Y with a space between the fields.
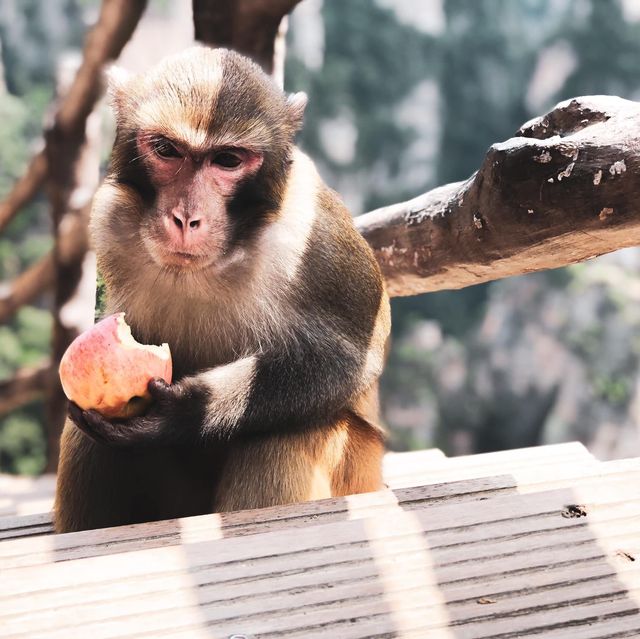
x=340 y=253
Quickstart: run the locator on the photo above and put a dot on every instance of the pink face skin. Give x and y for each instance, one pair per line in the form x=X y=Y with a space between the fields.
x=192 y=193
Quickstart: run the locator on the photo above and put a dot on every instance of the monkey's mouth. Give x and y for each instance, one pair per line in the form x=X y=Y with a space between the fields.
x=216 y=259
x=184 y=260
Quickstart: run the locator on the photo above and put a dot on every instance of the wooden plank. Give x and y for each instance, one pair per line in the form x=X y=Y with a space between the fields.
x=23 y=526
x=368 y=600
x=497 y=585
x=466 y=467
x=163 y=533
x=401 y=470
x=483 y=558
x=230 y=616
x=21 y=552
x=399 y=463
x=414 y=570
x=395 y=463
x=571 y=450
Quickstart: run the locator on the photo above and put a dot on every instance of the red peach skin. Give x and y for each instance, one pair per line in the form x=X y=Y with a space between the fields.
x=105 y=369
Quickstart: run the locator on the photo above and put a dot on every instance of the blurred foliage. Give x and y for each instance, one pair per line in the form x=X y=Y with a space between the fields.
x=446 y=383
x=22 y=443
x=485 y=68
x=361 y=79
x=100 y=298
x=25 y=340
x=607 y=48
x=32 y=35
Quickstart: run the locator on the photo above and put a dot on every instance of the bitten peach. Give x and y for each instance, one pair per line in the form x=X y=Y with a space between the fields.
x=105 y=369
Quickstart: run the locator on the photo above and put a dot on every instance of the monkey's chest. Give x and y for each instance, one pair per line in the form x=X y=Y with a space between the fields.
x=197 y=349
x=200 y=335
x=187 y=361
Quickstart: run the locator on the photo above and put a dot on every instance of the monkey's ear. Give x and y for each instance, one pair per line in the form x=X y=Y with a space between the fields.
x=296 y=104
x=116 y=79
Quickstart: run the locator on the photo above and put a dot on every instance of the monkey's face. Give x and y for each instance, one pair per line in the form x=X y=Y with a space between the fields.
x=204 y=139
x=191 y=225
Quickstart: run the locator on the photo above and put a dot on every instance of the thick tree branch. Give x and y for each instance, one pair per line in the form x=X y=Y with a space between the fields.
x=72 y=153
x=248 y=26
x=562 y=191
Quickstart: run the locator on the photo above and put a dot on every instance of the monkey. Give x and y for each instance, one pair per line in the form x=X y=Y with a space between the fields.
x=215 y=233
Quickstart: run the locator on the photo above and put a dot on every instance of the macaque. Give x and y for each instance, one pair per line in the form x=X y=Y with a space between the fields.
x=214 y=233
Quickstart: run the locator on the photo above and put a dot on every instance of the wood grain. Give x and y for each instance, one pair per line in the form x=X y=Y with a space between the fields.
x=396 y=574
x=400 y=470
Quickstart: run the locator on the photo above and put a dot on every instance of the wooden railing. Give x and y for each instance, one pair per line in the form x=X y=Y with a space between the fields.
x=532 y=543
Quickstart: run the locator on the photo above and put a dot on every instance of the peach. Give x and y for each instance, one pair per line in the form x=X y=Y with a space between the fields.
x=105 y=369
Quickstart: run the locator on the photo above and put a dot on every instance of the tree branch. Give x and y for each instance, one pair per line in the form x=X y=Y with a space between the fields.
x=562 y=191
x=40 y=277
x=116 y=23
x=26 y=287
x=24 y=189
x=26 y=385
x=72 y=151
x=248 y=26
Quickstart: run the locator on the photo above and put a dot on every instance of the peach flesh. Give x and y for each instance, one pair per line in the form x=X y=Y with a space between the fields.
x=105 y=369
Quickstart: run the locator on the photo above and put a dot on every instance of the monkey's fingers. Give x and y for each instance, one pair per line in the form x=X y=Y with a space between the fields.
x=75 y=413
x=96 y=427
x=161 y=391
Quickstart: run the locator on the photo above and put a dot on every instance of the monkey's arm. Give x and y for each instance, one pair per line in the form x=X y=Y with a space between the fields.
x=297 y=387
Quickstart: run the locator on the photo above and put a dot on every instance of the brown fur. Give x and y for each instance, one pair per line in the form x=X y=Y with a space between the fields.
x=276 y=293
x=251 y=472
x=336 y=460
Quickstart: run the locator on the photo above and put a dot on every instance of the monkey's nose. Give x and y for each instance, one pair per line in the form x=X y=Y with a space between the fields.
x=185 y=223
x=184 y=229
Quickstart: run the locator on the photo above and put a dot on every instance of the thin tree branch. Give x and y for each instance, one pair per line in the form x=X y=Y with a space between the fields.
x=73 y=156
x=40 y=277
x=24 y=189
x=116 y=23
x=26 y=287
x=25 y=386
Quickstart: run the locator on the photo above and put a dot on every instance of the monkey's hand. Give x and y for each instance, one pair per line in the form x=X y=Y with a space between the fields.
x=163 y=423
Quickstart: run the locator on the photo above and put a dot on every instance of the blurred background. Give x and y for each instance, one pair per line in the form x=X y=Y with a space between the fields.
x=404 y=95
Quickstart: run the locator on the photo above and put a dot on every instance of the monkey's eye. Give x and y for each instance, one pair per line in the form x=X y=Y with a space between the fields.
x=164 y=149
x=227 y=159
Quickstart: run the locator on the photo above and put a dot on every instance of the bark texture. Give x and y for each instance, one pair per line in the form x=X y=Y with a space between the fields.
x=252 y=27
x=563 y=190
